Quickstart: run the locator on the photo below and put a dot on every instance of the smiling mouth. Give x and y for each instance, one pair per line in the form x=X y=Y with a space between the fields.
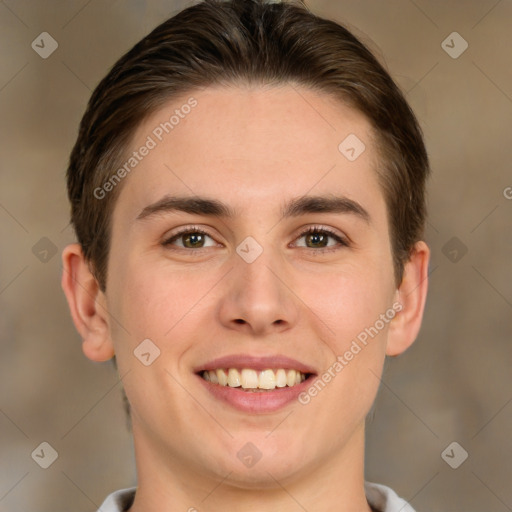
x=250 y=380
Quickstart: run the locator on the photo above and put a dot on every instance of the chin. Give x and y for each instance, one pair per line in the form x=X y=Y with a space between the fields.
x=251 y=468
x=262 y=476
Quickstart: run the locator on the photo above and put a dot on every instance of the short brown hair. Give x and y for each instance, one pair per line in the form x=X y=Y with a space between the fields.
x=220 y=42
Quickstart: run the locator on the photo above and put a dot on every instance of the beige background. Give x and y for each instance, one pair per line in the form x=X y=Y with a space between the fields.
x=455 y=383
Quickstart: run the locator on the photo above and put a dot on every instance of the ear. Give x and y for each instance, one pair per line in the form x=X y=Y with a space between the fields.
x=87 y=304
x=412 y=295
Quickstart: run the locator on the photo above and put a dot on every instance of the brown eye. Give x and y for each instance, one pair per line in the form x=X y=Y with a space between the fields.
x=319 y=238
x=193 y=240
x=190 y=239
x=316 y=240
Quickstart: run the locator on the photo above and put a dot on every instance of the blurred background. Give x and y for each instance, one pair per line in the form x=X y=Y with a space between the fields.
x=452 y=59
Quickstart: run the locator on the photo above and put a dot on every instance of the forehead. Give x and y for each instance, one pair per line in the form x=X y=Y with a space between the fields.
x=252 y=144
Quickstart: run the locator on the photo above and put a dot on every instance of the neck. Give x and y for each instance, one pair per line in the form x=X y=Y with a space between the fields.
x=166 y=484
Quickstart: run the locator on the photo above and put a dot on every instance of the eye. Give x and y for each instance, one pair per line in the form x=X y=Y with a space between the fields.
x=317 y=237
x=190 y=238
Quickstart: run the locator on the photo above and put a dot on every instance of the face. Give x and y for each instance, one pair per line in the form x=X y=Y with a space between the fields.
x=253 y=275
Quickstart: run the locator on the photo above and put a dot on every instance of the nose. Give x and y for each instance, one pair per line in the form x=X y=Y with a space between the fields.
x=257 y=298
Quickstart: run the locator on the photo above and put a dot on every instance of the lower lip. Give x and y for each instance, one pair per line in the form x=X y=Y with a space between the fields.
x=259 y=401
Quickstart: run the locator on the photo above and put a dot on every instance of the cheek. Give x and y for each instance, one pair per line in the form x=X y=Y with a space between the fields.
x=153 y=302
x=358 y=308
x=350 y=302
x=150 y=304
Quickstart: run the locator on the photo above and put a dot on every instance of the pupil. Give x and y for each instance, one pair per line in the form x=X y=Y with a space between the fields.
x=316 y=238
x=193 y=239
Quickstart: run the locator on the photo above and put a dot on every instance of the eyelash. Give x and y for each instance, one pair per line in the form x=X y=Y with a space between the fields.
x=343 y=242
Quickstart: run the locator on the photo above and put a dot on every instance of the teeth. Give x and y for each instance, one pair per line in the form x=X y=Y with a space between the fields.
x=233 y=378
x=222 y=377
x=252 y=379
x=249 y=379
x=267 y=380
x=280 y=378
x=290 y=377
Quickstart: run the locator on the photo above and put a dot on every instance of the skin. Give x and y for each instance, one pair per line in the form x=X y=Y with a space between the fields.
x=254 y=149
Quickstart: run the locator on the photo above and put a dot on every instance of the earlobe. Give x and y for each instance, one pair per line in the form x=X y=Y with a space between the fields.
x=87 y=304
x=412 y=295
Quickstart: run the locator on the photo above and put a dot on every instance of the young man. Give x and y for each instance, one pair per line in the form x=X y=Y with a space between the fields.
x=247 y=189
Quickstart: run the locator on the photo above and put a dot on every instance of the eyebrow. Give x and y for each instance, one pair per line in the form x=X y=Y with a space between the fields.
x=296 y=207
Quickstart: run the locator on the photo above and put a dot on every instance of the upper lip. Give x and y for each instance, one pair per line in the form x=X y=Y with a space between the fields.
x=241 y=361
